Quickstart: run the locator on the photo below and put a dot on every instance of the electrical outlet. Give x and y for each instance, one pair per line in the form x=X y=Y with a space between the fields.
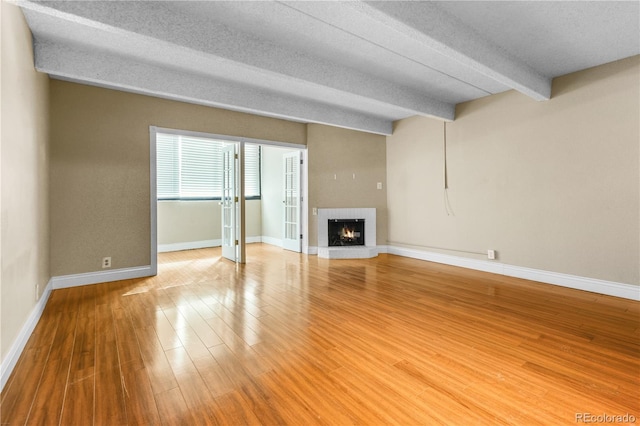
x=106 y=262
x=314 y=211
x=379 y=186
x=491 y=254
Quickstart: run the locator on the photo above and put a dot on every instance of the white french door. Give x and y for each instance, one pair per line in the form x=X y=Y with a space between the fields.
x=228 y=202
x=292 y=239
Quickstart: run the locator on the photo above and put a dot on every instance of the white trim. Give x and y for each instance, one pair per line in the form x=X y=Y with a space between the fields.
x=313 y=250
x=627 y=291
x=192 y=245
x=594 y=285
x=228 y=138
x=153 y=206
x=348 y=252
x=383 y=249
x=13 y=355
x=273 y=241
x=304 y=211
x=447 y=259
x=88 y=278
x=189 y=245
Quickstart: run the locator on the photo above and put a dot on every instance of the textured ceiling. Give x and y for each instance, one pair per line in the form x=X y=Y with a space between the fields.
x=352 y=64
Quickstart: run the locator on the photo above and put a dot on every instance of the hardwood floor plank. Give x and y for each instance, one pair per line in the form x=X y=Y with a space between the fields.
x=160 y=374
x=78 y=404
x=236 y=410
x=50 y=396
x=138 y=395
x=294 y=339
x=213 y=375
x=166 y=334
x=19 y=393
x=256 y=399
x=127 y=344
x=200 y=401
x=79 y=401
x=289 y=404
x=23 y=383
x=173 y=409
x=109 y=406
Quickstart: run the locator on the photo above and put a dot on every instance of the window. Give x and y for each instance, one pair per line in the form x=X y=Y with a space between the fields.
x=189 y=168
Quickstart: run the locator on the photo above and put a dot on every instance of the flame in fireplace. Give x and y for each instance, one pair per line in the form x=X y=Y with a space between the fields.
x=347 y=233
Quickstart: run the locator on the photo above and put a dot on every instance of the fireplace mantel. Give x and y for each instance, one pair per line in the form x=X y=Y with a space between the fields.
x=354 y=252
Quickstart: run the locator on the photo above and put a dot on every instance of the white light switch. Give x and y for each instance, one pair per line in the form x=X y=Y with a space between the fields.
x=379 y=185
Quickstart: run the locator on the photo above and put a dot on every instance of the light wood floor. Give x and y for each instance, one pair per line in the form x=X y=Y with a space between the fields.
x=291 y=339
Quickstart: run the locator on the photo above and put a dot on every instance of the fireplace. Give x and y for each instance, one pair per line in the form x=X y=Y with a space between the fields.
x=345 y=232
x=349 y=246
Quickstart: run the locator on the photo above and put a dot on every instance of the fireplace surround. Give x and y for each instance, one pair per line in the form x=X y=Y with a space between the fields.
x=366 y=248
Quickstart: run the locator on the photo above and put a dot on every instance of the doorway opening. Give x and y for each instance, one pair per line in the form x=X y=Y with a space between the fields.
x=179 y=224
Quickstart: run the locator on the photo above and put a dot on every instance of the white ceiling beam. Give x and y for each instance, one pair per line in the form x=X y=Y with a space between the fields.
x=137 y=22
x=421 y=31
x=112 y=71
x=441 y=32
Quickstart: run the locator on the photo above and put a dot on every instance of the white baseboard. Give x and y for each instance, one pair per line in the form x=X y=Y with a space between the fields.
x=11 y=359
x=627 y=291
x=479 y=265
x=313 y=250
x=611 y=288
x=273 y=241
x=88 y=278
x=190 y=245
x=349 y=252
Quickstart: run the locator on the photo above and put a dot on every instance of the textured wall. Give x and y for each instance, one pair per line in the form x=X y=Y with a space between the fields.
x=550 y=185
x=100 y=168
x=335 y=155
x=25 y=176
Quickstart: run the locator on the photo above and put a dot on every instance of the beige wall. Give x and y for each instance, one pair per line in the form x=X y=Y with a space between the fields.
x=190 y=221
x=343 y=153
x=24 y=170
x=100 y=168
x=550 y=185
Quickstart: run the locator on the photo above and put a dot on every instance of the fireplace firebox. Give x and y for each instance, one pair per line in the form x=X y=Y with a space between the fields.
x=346 y=232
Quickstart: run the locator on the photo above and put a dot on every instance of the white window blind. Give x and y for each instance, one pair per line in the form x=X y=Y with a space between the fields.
x=191 y=168
x=252 y=170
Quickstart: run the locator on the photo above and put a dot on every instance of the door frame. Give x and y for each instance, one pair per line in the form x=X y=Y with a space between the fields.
x=153 y=191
